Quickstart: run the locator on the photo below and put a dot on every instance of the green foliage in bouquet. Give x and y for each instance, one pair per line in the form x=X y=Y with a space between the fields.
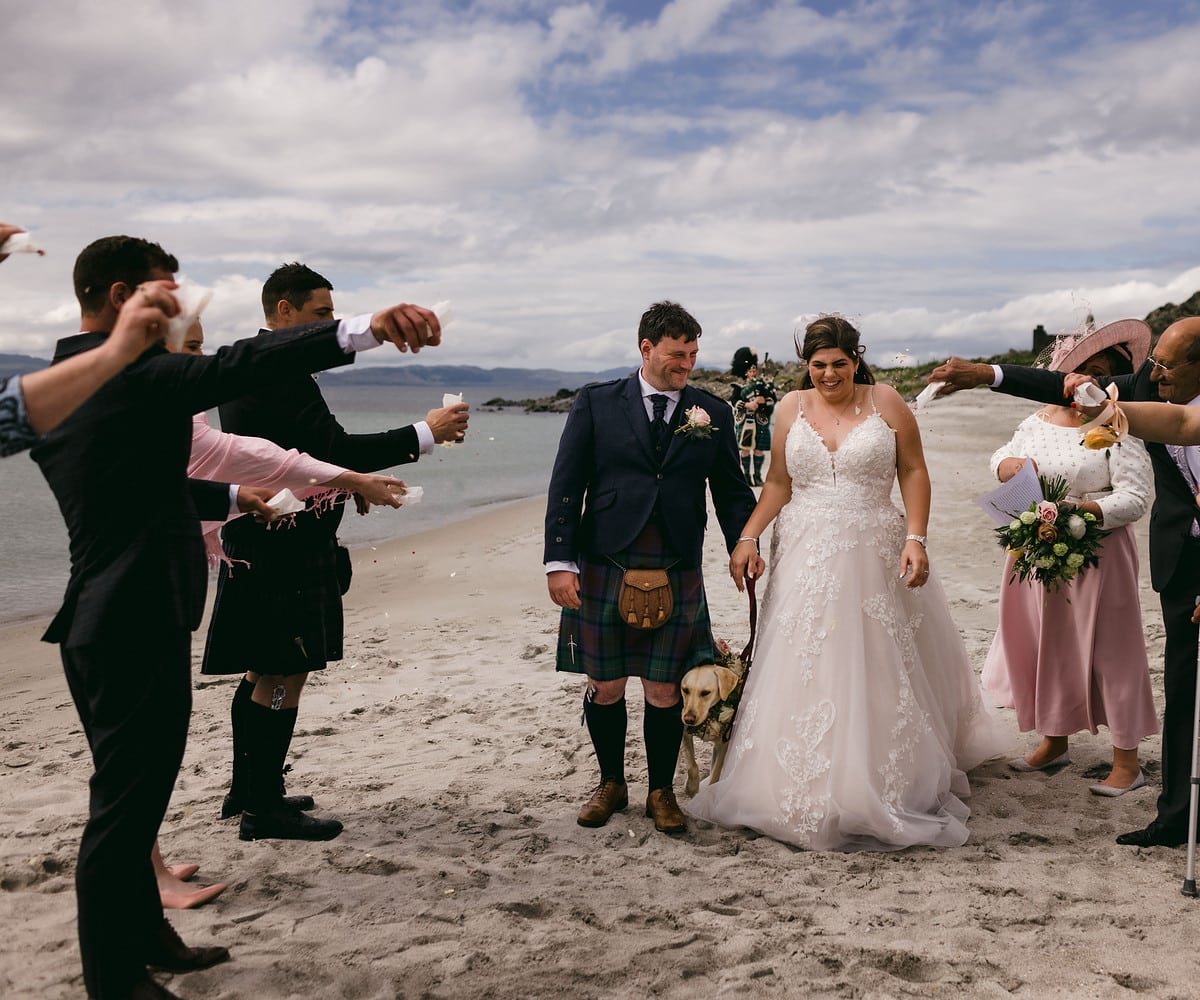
x=1050 y=542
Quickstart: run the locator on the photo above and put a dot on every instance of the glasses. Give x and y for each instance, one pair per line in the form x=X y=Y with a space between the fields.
x=1167 y=369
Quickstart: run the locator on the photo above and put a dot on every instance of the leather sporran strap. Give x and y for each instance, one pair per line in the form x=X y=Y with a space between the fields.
x=749 y=650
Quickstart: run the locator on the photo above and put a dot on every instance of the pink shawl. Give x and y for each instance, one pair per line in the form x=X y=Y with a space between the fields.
x=252 y=461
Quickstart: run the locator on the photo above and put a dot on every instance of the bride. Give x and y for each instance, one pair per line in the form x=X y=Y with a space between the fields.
x=861 y=713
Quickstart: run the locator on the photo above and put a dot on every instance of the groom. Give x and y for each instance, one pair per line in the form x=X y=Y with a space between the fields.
x=628 y=492
x=1172 y=375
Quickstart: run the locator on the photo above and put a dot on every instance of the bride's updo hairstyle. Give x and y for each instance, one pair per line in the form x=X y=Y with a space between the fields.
x=837 y=332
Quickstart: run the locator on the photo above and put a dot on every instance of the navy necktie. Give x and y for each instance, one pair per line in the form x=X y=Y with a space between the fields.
x=658 y=425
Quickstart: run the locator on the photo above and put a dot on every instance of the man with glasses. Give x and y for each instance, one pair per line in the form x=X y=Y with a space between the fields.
x=1171 y=374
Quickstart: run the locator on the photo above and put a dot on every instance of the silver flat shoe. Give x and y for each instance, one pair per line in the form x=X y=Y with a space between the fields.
x=1021 y=764
x=1111 y=793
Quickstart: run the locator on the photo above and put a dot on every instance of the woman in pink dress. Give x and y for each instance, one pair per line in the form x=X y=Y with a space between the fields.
x=1075 y=658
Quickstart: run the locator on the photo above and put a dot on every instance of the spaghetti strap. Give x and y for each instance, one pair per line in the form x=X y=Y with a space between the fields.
x=871 y=397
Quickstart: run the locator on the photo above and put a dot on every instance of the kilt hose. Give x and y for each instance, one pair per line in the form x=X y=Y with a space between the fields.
x=595 y=640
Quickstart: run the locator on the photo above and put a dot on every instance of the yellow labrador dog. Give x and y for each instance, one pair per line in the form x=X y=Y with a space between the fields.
x=706 y=690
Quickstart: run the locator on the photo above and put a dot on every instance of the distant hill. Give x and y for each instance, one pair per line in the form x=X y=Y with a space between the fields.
x=1164 y=316
x=473 y=380
x=15 y=364
x=539 y=381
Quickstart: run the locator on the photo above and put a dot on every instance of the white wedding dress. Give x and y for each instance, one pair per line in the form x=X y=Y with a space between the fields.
x=861 y=713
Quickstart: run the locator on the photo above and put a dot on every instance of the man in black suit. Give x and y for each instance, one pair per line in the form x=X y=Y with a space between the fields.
x=39 y=401
x=137 y=583
x=1171 y=374
x=280 y=617
x=628 y=492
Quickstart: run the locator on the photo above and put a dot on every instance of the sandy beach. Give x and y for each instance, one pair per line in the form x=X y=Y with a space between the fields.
x=454 y=754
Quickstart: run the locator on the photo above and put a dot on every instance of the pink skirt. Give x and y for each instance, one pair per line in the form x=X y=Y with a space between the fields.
x=1075 y=658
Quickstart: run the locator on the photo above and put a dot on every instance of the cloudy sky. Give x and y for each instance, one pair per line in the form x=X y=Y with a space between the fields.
x=946 y=174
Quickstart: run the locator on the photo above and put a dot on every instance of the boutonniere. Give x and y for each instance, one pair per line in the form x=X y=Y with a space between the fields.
x=698 y=424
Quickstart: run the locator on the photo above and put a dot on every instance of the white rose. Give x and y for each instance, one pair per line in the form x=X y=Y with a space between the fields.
x=698 y=417
x=1076 y=526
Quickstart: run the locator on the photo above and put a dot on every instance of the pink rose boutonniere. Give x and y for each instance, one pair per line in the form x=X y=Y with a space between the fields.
x=698 y=424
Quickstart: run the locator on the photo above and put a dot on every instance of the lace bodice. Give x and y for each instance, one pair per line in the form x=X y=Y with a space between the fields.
x=853 y=482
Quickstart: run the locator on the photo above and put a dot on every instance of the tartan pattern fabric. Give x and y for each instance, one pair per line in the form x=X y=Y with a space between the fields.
x=596 y=641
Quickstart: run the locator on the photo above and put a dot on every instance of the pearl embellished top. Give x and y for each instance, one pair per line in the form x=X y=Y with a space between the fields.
x=1119 y=479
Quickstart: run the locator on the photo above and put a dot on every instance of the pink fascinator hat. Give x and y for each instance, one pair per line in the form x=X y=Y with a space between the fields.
x=1129 y=337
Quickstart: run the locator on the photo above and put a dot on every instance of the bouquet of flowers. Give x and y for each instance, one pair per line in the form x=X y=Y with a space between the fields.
x=719 y=722
x=1050 y=542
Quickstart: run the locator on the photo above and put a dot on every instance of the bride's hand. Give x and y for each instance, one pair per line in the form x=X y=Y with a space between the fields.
x=744 y=560
x=914 y=563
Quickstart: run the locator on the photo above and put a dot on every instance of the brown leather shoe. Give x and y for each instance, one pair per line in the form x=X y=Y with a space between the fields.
x=609 y=797
x=665 y=811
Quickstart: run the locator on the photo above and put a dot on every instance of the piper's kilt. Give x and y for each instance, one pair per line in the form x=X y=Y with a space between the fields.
x=754 y=436
x=282 y=614
x=595 y=640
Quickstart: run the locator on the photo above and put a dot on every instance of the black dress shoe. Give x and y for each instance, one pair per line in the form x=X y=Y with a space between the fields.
x=148 y=989
x=231 y=806
x=280 y=823
x=170 y=954
x=1153 y=836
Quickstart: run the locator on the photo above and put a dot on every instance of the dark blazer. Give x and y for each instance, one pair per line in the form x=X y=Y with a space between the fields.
x=1174 y=508
x=284 y=610
x=118 y=468
x=294 y=414
x=607 y=480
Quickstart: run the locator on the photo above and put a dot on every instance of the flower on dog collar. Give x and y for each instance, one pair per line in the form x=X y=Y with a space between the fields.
x=697 y=425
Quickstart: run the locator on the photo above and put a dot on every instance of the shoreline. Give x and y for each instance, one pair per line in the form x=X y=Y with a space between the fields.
x=42 y=618
x=454 y=754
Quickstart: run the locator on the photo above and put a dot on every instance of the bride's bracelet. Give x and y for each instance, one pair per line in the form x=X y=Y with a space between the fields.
x=916 y=538
x=747 y=538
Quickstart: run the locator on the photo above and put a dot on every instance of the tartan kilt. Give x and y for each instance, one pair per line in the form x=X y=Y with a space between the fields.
x=282 y=614
x=595 y=640
x=754 y=436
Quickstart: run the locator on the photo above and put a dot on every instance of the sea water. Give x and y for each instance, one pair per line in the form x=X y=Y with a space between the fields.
x=507 y=456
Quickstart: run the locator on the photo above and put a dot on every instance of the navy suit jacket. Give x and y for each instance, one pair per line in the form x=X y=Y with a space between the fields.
x=294 y=414
x=607 y=480
x=1174 y=507
x=118 y=468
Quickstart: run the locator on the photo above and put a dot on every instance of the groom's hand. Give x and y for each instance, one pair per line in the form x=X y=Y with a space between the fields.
x=564 y=588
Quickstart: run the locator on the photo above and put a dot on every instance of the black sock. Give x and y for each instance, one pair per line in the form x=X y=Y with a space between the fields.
x=607 y=725
x=746 y=467
x=663 y=731
x=758 y=461
x=268 y=735
x=237 y=723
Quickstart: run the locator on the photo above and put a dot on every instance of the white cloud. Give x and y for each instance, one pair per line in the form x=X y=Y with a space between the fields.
x=949 y=176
